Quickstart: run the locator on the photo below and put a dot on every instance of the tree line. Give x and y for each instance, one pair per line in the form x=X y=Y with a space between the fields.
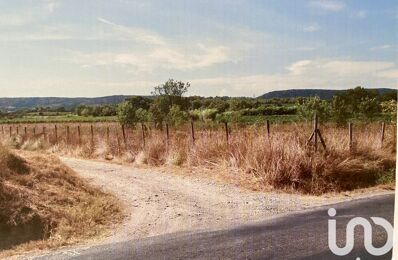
x=170 y=105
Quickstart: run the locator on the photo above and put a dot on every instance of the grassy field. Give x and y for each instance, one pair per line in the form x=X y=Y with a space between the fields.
x=63 y=118
x=55 y=118
x=284 y=161
x=72 y=118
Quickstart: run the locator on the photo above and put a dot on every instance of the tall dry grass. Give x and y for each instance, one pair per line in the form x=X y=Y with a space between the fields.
x=45 y=204
x=283 y=161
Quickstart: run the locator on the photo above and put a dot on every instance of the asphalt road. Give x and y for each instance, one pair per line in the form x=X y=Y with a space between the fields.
x=301 y=235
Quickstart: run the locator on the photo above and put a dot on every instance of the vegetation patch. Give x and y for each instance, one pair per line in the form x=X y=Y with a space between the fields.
x=44 y=204
x=261 y=142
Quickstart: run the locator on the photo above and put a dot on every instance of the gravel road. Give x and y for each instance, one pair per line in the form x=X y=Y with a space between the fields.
x=160 y=203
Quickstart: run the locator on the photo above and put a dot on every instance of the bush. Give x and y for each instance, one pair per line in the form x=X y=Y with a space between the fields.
x=143 y=115
x=229 y=116
x=126 y=113
x=314 y=105
x=204 y=114
x=270 y=110
x=389 y=108
x=177 y=117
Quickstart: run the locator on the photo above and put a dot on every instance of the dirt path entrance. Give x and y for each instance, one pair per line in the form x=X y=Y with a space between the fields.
x=162 y=203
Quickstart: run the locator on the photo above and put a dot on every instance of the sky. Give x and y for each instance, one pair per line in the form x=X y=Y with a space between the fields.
x=75 y=48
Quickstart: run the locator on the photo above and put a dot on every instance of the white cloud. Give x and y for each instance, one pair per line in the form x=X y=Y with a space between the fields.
x=329 y=5
x=299 y=67
x=134 y=33
x=391 y=74
x=382 y=47
x=156 y=58
x=153 y=51
x=312 y=28
x=322 y=73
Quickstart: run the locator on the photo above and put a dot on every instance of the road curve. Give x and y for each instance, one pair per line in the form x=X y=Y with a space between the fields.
x=160 y=203
x=300 y=235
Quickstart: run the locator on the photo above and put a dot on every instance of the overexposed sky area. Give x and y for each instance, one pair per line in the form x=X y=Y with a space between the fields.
x=224 y=47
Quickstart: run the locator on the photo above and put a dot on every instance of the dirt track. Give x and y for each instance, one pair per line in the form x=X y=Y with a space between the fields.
x=161 y=203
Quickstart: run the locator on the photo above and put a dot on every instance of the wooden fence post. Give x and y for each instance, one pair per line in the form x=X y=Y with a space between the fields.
x=124 y=135
x=315 y=134
x=79 y=136
x=143 y=134
x=350 y=135
x=34 y=130
x=17 y=130
x=26 y=132
x=44 y=133
x=315 y=131
x=107 y=135
x=193 y=132
x=67 y=135
x=10 y=131
x=56 y=134
x=2 y=130
x=268 y=130
x=118 y=144
x=226 y=132
x=167 y=133
x=383 y=127
x=92 y=134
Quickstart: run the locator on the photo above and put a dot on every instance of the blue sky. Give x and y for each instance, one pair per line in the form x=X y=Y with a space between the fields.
x=224 y=47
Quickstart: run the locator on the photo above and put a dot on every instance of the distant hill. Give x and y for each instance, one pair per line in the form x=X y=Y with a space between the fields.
x=322 y=93
x=32 y=102
x=11 y=104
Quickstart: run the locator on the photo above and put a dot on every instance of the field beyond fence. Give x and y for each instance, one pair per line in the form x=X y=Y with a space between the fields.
x=260 y=156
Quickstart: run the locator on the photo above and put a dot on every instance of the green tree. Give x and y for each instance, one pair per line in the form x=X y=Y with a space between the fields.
x=228 y=116
x=160 y=108
x=340 y=110
x=390 y=95
x=87 y=111
x=355 y=103
x=108 y=110
x=389 y=108
x=176 y=116
x=80 y=108
x=140 y=102
x=236 y=104
x=219 y=104
x=313 y=105
x=126 y=113
x=173 y=90
x=368 y=108
x=143 y=115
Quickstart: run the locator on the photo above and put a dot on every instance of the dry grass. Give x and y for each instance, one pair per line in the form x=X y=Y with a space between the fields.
x=44 y=204
x=283 y=162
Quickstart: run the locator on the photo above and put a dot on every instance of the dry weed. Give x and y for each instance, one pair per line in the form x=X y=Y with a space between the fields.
x=284 y=161
x=44 y=204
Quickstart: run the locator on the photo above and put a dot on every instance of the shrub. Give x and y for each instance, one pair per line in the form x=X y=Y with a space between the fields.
x=314 y=105
x=177 y=117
